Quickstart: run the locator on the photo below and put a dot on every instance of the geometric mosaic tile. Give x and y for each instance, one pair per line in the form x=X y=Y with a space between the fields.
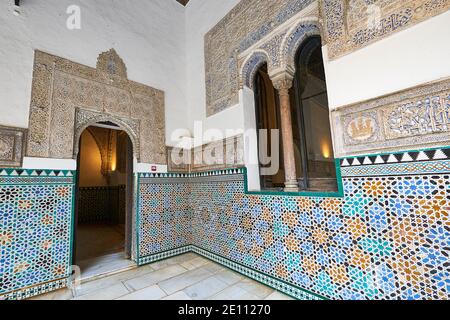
x=388 y=237
x=35 y=230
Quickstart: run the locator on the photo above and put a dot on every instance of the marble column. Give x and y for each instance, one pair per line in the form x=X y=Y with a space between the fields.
x=283 y=83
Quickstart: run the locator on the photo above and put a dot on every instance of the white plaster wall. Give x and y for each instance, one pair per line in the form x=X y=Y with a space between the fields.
x=406 y=59
x=148 y=35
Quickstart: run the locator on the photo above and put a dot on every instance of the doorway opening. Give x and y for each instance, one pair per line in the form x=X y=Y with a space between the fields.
x=104 y=201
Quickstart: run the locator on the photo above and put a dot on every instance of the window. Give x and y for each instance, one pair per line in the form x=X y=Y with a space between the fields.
x=310 y=121
x=268 y=118
x=314 y=157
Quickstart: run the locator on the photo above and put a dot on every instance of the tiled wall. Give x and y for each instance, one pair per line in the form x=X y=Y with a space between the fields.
x=35 y=231
x=163 y=215
x=388 y=237
x=100 y=205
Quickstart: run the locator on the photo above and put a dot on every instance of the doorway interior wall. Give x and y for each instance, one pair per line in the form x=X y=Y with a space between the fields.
x=104 y=200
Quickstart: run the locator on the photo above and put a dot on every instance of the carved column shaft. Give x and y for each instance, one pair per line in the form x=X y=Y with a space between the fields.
x=283 y=85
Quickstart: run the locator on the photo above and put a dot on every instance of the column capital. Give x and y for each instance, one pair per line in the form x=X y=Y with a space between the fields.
x=282 y=81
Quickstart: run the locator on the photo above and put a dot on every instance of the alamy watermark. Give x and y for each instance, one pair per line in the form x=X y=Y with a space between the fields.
x=73 y=21
x=256 y=148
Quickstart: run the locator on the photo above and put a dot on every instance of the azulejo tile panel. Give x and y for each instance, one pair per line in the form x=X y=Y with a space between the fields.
x=163 y=217
x=387 y=238
x=35 y=231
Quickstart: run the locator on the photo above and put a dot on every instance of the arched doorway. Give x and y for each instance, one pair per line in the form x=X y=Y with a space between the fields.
x=104 y=196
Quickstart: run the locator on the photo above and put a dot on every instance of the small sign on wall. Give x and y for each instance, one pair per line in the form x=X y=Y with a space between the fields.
x=150 y=168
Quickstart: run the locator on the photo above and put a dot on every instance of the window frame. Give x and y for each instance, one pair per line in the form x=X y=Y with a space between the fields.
x=300 y=120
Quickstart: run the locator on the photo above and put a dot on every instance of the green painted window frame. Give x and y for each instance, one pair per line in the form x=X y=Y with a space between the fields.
x=307 y=194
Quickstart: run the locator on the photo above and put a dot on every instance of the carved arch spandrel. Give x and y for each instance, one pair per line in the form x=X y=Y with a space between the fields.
x=281 y=59
x=294 y=40
x=251 y=65
x=61 y=87
x=87 y=118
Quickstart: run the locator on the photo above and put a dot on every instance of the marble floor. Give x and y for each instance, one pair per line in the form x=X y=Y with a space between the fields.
x=185 y=277
x=100 y=250
x=98 y=240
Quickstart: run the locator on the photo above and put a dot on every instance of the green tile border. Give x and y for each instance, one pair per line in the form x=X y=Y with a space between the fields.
x=36 y=290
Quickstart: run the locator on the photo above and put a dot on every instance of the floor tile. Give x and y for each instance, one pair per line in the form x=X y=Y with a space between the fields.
x=90 y=286
x=234 y=292
x=229 y=277
x=99 y=266
x=195 y=263
x=95 y=240
x=184 y=280
x=110 y=293
x=169 y=280
x=149 y=293
x=205 y=288
x=173 y=261
x=178 y=296
x=255 y=288
x=213 y=267
x=154 y=277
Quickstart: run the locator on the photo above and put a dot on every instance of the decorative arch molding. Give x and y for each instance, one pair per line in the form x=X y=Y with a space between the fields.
x=251 y=66
x=68 y=97
x=278 y=51
x=293 y=41
x=87 y=118
x=243 y=30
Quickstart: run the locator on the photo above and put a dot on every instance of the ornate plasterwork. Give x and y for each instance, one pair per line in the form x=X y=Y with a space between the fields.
x=229 y=152
x=414 y=118
x=277 y=50
x=110 y=62
x=68 y=97
x=354 y=24
x=243 y=27
x=12 y=144
x=85 y=118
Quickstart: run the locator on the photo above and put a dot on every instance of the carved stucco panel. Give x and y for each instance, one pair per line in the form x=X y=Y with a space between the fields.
x=12 y=143
x=354 y=24
x=427 y=114
x=84 y=118
x=38 y=138
x=411 y=119
x=68 y=97
x=244 y=26
x=61 y=139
